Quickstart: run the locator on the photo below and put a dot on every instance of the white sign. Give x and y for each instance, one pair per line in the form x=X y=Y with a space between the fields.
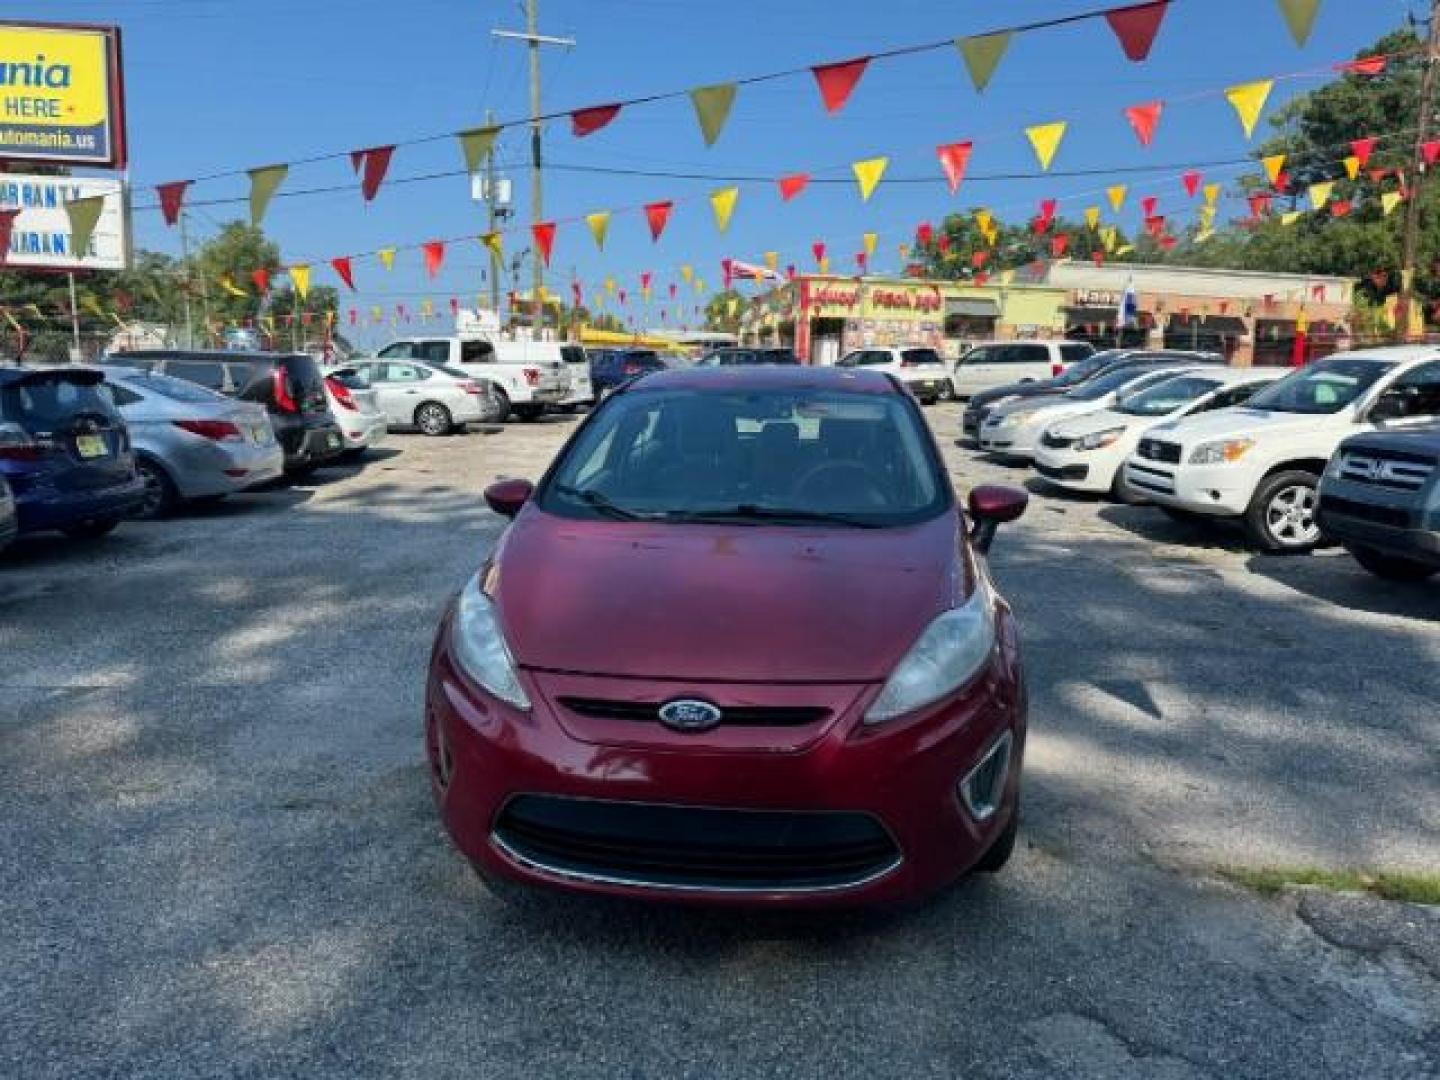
x=40 y=237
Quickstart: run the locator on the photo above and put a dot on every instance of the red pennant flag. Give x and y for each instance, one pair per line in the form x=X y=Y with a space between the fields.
x=645 y=278
x=1155 y=225
x=372 y=164
x=979 y=259
x=672 y=290
x=1148 y=205
x=1191 y=180
x=1340 y=208
x=1144 y=118
x=818 y=250
x=981 y=279
x=1098 y=256
x=924 y=233
x=341 y=266
x=1047 y=212
x=1431 y=150
x=727 y=271
x=1370 y=65
x=1376 y=175
x=1282 y=182
x=792 y=185
x=621 y=296
x=575 y=294
x=434 y=256
x=943 y=244
x=954 y=159
x=657 y=214
x=1167 y=243
x=836 y=81
x=1362 y=149
x=790 y=272
x=544 y=234
x=860 y=261
x=171 y=197
x=1059 y=245
x=454 y=306
x=261 y=278
x=1136 y=27
x=1260 y=203
x=588 y=121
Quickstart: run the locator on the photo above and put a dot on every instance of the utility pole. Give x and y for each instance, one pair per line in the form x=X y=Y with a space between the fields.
x=1418 y=184
x=74 y=322
x=491 y=195
x=535 y=39
x=185 y=284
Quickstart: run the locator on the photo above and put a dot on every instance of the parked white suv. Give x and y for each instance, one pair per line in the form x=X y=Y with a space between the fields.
x=1001 y=363
x=1262 y=462
x=920 y=369
x=526 y=375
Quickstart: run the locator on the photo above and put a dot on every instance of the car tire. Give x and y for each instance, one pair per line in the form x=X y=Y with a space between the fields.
x=502 y=407
x=1392 y=567
x=1281 y=517
x=91 y=530
x=1122 y=493
x=947 y=391
x=433 y=419
x=994 y=860
x=529 y=413
x=160 y=494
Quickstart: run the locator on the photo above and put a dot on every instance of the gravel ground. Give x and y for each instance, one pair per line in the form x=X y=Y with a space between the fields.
x=220 y=859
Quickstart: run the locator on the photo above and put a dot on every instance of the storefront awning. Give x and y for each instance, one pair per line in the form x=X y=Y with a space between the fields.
x=1085 y=316
x=973 y=309
x=1210 y=324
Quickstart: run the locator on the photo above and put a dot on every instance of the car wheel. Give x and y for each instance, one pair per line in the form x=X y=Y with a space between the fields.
x=433 y=419
x=91 y=530
x=1122 y=492
x=1281 y=517
x=529 y=413
x=994 y=860
x=947 y=391
x=1392 y=567
x=160 y=493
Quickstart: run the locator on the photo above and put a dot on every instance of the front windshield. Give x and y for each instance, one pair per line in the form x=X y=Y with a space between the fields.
x=1324 y=387
x=1107 y=384
x=787 y=456
x=1164 y=398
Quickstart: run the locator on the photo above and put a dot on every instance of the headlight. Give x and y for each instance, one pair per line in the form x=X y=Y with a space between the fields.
x=1098 y=440
x=942 y=660
x=1220 y=453
x=480 y=648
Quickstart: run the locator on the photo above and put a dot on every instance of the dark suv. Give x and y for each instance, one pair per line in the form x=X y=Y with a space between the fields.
x=609 y=368
x=290 y=386
x=738 y=356
x=1380 y=497
x=64 y=451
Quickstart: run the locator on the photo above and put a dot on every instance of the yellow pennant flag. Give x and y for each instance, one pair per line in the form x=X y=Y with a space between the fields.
x=300 y=279
x=376 y=314
x=1116 y=195
x=228 y=284
x=1203 y=235
x=1092 y=218
x=1274 y=166
x=825 y=266
x=1045 y=138
x=1249 y=102
x=427 y=309
x=868 y=241
x=1320 y=194
x=700 y=285
x=772 y=260
x=1126 y=250
x=723 y=203
x=1111 y=237
x=1206 y=216
x=687 y=272
x=983 y=219
x=1212 y=194
x=1352 y=166
x=599 y=223
x=610 y=285
x=495 y=244
x=387 y=258
x=868 y=173
x=1290 y=217
x=1389 y=201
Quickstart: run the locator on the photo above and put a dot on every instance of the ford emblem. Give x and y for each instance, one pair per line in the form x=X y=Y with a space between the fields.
x=689 y=715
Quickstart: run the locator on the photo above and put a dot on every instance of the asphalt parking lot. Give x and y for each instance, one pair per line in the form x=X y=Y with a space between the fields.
x=219 y=856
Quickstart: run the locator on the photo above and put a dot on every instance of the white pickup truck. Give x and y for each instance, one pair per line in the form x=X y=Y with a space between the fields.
x=527 y=375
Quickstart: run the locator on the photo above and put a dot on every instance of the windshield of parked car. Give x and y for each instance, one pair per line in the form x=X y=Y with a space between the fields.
x=1081 y=370
x=179 y=390
x=785 y=457
x=1326 y=386
x=1108 y=383
x=1165 y=397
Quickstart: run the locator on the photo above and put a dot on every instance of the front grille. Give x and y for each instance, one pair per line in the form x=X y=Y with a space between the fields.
x=647 y=712
x=1064 y=472
x=683 y=847
x=1380 y=515
x=1149 y=479
x=1393 y=469
x=1156 y=450
x=1055 y=442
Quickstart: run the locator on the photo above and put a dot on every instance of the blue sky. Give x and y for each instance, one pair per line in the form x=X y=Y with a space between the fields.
x=218 y=84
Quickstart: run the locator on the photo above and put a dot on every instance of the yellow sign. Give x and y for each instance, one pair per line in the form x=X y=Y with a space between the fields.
x=60 y=95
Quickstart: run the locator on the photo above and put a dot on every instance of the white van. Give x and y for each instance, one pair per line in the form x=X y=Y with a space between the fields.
x=1001 y=363
x=527 y=375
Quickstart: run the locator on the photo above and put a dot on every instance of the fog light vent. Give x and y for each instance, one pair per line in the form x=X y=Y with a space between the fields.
x=983 y=789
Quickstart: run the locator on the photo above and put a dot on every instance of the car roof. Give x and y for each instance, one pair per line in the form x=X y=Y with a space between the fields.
x=15 y=374
x=204 y=354
x=761 y=377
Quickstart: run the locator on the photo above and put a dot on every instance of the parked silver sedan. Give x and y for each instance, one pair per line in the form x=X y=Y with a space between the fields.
x=190 y=442
x=356 y=408
x=434 y=398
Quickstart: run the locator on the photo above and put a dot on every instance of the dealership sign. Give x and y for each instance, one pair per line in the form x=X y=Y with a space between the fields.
x=40 y=236
x=60 y=95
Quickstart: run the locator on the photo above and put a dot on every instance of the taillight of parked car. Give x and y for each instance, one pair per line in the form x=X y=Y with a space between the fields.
x=218 y=430
x=907 y=363
x=283 y=401
x=1056 y=368
x=17 y=444
x=532 y=376
x=472 y=388
x=341 y=394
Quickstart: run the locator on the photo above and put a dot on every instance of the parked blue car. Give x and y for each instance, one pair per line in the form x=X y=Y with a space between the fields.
x=611 y=367
x=64 y=451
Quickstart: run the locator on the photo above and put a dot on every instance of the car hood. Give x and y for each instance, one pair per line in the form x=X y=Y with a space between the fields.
x=1102 y=420
x=1031 y=389
x=1241 y=422
x=1050 y=411
x=1415 y=440
x=724 y=603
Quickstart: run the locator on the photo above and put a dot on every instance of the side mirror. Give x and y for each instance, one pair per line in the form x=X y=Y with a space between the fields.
x=990 y=507
x=506 y=497
x=1391 y=405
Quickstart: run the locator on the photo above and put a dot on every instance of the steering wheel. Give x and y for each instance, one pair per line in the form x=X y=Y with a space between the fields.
x=849 y=478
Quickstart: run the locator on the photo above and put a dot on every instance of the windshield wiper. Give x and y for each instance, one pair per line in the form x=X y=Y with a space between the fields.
x=601 y=502
x=749 y=512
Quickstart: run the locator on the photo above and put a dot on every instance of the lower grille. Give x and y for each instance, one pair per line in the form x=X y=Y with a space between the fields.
x=1065 y=472
x=1380 y=515
x=683 y=847
x=1149 y=479
x=731 y=715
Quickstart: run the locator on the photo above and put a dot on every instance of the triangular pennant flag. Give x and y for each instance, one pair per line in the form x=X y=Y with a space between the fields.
x=84 y=215
x=1059 y=245
x=1144 y=118
x=434 y=253
x=1274 y=165
x=1362 y=149
x=657 y=214
x=1290 y=217
x=476 y=144
x=1352 y=167
x=1206 y=216
x=1110 y=236
x=824 y=266
x=494 y=243
x=228 y=284
x=1367 y=65
x=818 y=250
x=837 y=81
x=1125 y=249
x=1260 y=203
x=172 y=195
x=712 y=109
x=1340 y=208
x=1248 y=100
x=1045 y=139
x=868 y=174
x=1300 y=17
x=263 y=183
x=1431 y=151
x=599 y=223
x=1136 y=27
x=868 y=241
x=792 y=185
x=687 y=272
x=954 y=159
x=1116 y=195
x=1048 y=207
x=588 y=121
x=1389 y=201
x=1148 y=205
x=772 y=260
x=300 y=279
x=722 y=202
x=1320 y=194
x=372 y=166
x=343 y=270
x=1191 y=180
x=983 y=220
x=1212 y=194
x=543 y=233
x=1092 y=217
x=387 y=258
x=982 y=56
x=261 y=278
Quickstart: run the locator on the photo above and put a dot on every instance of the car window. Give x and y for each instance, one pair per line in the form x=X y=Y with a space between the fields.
x=871 y=358
x=981 y=354
x=121 y=395
x=1166 y=396
x=1111 y=381
x=1326 y=386
x=433 y=352
x=1075 y=351
x=475 y=352
x=1418 y=392
x=1236 y=395
x=402 y=373
x=207 y=373
x=919 y=356
x=1025 y=354
x=175 y=389
x=398 y=350
x=572 y=354
x=51 y=401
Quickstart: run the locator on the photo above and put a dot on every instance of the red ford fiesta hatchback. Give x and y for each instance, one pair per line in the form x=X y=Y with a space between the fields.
x=738 y=646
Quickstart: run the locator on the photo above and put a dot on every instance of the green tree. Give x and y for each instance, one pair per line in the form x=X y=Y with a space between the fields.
x=718 y=311
x=233 y=256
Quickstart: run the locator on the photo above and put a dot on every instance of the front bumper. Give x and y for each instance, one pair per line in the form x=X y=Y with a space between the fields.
x=486 y=757
x=1216 y=490
x=1077 y=470
x=1013 y=440
x=1364 y=524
